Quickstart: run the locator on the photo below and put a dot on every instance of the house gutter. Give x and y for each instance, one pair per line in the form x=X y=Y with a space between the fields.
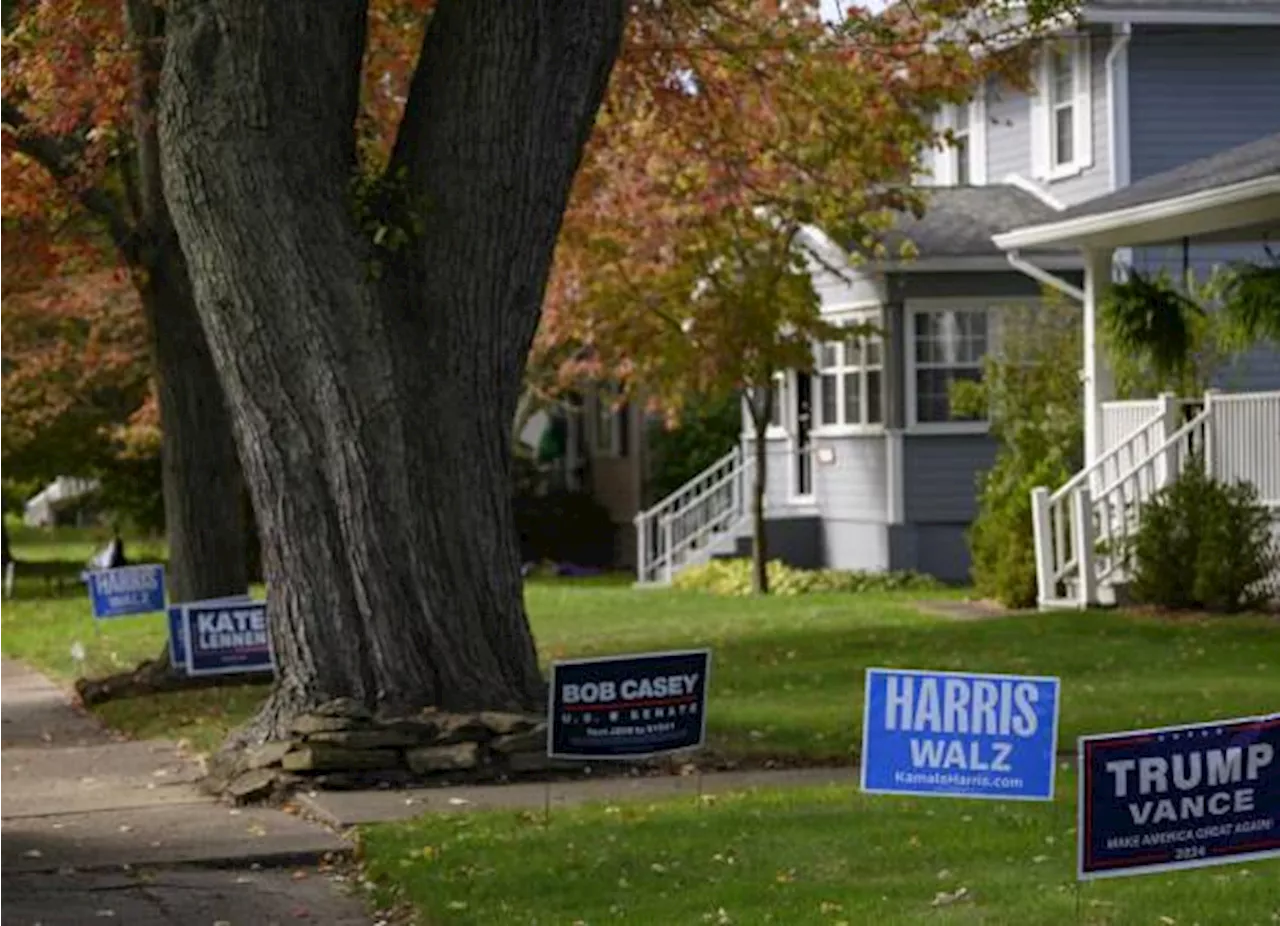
x=1041 y=275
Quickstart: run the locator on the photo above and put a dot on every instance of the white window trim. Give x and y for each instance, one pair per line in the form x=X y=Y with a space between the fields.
x=945 y=157
x=821 y=428
x=772 y=432
x=793 y=451
x=1042 y=122
x=994 y=309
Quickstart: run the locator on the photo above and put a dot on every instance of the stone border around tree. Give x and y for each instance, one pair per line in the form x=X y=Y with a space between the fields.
x=342 y=746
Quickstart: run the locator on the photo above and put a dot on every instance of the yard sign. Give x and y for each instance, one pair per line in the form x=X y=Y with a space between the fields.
x=126 y=590
x=227 y=637
x=628 y=707
x=178 y=629
x=1179 y=797
x=959 y=734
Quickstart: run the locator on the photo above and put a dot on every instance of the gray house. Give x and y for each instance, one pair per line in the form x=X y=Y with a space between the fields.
x=868 y=467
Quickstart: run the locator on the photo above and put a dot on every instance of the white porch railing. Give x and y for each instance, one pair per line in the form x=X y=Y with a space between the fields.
x=1082 y=529
x=694 y=522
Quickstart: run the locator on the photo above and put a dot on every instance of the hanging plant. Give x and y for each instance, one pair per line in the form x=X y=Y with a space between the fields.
x=1149 y=318
x=1251 y=295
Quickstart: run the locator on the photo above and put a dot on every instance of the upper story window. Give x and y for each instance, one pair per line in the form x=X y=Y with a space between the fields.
x=850 y=376
x=946 y=345
x=964 y=161
x=1062 y=111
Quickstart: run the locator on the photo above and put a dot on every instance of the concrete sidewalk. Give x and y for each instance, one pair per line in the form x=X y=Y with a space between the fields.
x=342 y=809
x=94 y=824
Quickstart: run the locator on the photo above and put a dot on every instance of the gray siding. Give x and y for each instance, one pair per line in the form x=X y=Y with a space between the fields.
x=852 y=486
x=798 y=542
x=940 y=476
x=1009 y=133
x=852 y=502
x=1197 y=91
x=1193 y=92
x=994 y=284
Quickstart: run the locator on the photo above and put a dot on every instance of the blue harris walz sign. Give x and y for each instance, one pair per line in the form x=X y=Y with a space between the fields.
x=226 y=637
x=628 y=707
x=1179 y=797
x=959 y=734
x=178 y=629
x=126 y=590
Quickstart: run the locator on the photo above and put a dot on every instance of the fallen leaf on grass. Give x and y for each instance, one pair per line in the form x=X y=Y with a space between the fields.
x=945 y=898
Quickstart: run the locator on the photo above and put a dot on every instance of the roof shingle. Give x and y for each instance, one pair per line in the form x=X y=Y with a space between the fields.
x=959 y=221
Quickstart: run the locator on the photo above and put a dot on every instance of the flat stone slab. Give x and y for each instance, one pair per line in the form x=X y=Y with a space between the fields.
x=349 y=808
x=180 y=898
x=113 y=776
x=36 y=712
x=208 y=834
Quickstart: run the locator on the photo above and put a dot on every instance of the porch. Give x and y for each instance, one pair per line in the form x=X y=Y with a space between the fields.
x=1082 y=528
x=1132 y=449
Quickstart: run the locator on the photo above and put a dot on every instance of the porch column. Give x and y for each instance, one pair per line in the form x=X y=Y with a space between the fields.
x=1099 y=385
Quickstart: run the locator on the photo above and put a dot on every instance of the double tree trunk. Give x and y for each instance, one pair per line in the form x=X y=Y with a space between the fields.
x=373 y=409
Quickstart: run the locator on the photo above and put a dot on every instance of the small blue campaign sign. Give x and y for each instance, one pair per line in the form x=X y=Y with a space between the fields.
x=178 y=629
x=959 y=734
x=628 y=707
x=126 y=590
x=227 y=637
x=1179 y=797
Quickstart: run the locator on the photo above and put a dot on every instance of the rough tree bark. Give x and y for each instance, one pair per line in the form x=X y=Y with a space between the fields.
x=373 y=412
x=201 y=480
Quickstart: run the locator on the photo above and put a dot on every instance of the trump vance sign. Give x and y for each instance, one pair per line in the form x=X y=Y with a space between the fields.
x=1179 y=797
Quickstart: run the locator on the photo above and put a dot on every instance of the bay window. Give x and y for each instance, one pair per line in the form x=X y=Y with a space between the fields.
x=946 y=346
x=850 y=377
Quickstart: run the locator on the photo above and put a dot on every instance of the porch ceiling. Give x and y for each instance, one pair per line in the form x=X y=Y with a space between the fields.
x=1232 y=196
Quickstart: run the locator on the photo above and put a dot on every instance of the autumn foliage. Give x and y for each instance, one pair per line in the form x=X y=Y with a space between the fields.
x=740 y=140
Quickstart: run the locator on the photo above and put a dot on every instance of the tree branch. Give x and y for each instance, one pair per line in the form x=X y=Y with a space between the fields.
x=54 y=157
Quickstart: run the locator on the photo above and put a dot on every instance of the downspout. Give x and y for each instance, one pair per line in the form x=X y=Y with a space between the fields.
x=1118 y=108
x=1040 y=275
x=1118 y=156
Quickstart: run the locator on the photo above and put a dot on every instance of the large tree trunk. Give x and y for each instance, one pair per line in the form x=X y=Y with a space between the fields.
x=201 y=472
x=373 y=410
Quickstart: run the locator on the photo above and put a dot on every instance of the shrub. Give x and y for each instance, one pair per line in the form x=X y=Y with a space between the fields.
x=566 y=527
x=707 y=430
x=733 y=577
x=1032 y=400
x=1203 y=544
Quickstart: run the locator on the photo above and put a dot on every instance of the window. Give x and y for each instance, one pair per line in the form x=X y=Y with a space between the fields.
x=850 y=381
x=1061 y=112
x=776 y=423
x=1062 y=98
x=962 y=162
x=962 y=152
x=946 y=346
x=610 y=428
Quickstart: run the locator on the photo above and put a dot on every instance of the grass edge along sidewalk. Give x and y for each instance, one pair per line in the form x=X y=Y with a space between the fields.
x=450 y=862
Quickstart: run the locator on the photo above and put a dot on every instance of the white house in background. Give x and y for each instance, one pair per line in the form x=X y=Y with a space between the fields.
x=63 y=494
x=868 y=466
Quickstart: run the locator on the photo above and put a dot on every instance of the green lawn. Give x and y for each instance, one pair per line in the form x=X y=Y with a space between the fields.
x=787 y=672
x=814 y=855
